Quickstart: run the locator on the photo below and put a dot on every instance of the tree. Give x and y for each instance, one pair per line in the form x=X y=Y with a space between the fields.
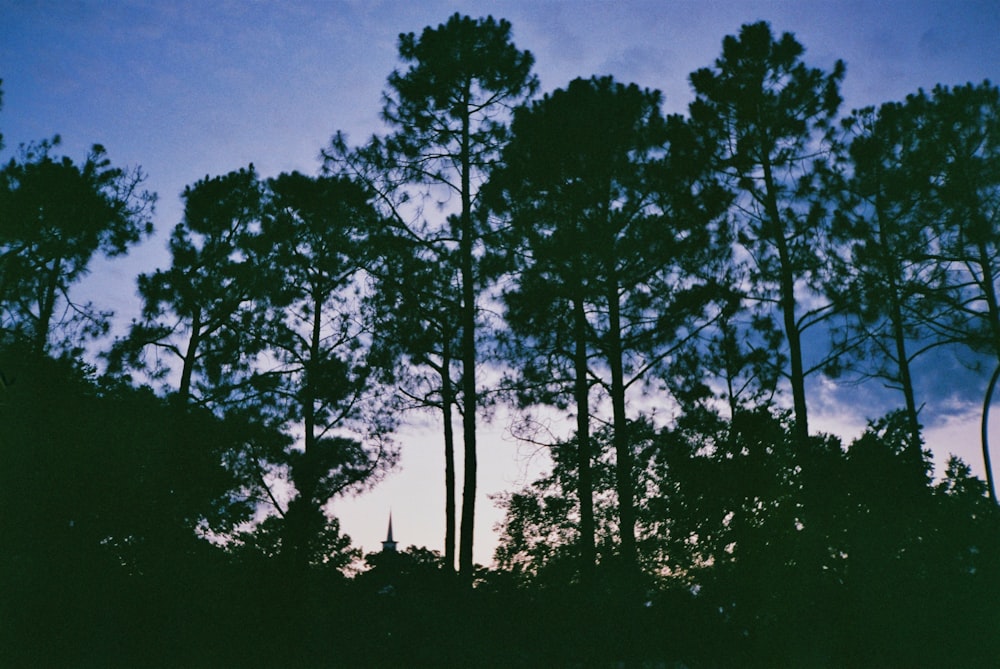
x=199 y=310
x=415 y=301
x=110 y=464
x=610 y=211
x=447 y=110
x=962 y=143
x=416 y=310
x=317 y=231
x=881 y=195
x=541 y=540
x=787 y=538
x=109 y=494
x=917 y=207
x=768 y=112
x=735 y=359
x=56 y=216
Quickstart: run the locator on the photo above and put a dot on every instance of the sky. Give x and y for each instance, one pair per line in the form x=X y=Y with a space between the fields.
x=188 y=89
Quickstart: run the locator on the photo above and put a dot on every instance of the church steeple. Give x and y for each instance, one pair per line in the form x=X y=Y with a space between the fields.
x=389 y=545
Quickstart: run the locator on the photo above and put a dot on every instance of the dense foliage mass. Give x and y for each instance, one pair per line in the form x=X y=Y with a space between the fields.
x=666 y=285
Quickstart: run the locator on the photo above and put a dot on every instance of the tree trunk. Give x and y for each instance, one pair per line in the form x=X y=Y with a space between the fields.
x=990 y=483
x=898 y=334
x=623 y=447
x=190 y=356
x=787 y=301
x=469 y=399
x=309 y=385
x=305 y=512
x=585 y=485
x=905 y=377
x=447 y=402
x=46 y=308
x=993 y=305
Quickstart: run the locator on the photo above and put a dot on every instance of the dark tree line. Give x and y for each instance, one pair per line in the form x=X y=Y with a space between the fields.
x=661 y=282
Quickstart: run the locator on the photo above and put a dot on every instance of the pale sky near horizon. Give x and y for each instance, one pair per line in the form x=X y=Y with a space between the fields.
x=189 y=89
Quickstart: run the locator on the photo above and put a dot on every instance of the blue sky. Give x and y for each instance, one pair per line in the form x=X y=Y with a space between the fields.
x=189 y=89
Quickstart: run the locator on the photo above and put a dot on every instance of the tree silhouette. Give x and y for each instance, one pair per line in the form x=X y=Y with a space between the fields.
x=317 y=232
x=881 y=195
x=446 y=110
x=962 y=143
x=56 y=216
x=199 y=310
x=108 y=493
x=657 y=276
x=768 y=112
x=540 y=536
x=787 y=539
x=608 y=217
x=415 y=301
x=416 y=310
